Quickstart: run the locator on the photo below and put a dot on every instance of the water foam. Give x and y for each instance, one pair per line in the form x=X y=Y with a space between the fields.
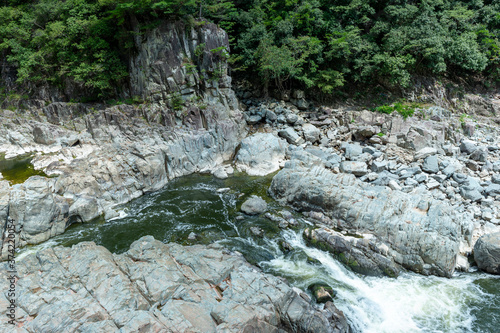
x=409 y=303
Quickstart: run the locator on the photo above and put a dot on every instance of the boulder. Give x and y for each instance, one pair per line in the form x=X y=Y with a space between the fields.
x=352 y=151
x=487 y=253
x=321 y=292
x=37 y=211
x=430 y=164
x=468 y=147
x=311 y=133
x=254 y=205
x=42 y=135
x=291 y=118
x=291 y=136
x=354 y=167
x=479 y=155
x=260 y=154
x=424 y=152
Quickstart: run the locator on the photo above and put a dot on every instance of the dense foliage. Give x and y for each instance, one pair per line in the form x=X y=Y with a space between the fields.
x=315 y=44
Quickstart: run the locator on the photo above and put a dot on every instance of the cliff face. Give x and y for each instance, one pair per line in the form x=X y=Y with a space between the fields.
x=178 y=61
x=102 y=156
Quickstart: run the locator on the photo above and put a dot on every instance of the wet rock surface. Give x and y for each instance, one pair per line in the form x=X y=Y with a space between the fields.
x=156 y=287
x=118 y=156
x=254 y=205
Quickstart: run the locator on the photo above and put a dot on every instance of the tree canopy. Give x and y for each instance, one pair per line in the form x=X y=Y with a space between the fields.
x=315 y=44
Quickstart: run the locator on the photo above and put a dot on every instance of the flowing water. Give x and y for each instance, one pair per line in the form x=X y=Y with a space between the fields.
x=468 y=302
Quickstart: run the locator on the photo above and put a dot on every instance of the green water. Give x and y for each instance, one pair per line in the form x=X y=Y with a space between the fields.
x=469 y=302
x=16 y=170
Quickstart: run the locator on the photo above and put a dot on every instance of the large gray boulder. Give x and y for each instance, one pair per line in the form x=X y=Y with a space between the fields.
x=422 y=234
x=254 y=205
x=260 y=154
x=431 y=164
x=487 y=253
x=38 y=213
x=157 y=287
x=311 y=132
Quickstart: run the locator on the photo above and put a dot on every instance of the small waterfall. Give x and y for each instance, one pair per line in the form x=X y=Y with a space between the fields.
x=409 y=303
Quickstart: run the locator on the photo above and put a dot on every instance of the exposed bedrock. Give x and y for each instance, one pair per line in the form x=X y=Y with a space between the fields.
x=394 y=230
x=116 y=158
x=156 y=287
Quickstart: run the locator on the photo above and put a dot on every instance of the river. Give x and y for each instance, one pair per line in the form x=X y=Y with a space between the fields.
x=468 y=302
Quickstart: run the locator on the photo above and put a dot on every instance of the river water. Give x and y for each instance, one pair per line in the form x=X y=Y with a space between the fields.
x=468 y=302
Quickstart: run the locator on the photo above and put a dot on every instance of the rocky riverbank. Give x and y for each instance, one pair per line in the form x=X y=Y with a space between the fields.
x=387 y=192
x=156 y=287
x=100 y=156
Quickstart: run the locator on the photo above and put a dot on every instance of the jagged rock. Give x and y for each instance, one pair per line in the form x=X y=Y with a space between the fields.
x=42 y=135
x=487 y=253
x=253 y=119
x=421 y=177
x=291 y=118
x=468 y=147
x=271 y=116
x=480 y=155
x=460 y=178
x=298 y=94
x=424 y=152
x=322 y=293
x=156 y=287
x=364 y=132
x=220 y=173
x=158 y=68
x=291 y=136
x=254 y=205
x=257 y=231
x=425 y=241
x=352 y=151
x=354 y=167
x=471 y=194
x=311 y=133
x=260 y=154
x=302 y=104
x=394 y=185
x=38 y=213
x=366 y=255
x=379 y=166
x=84 y=209
x=493 y=189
